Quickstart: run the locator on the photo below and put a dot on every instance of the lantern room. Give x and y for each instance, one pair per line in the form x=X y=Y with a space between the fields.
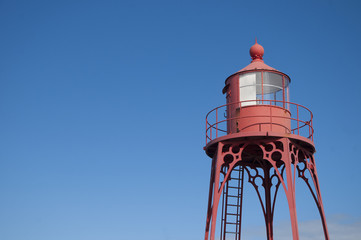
x=255 y=93
x=258 y=83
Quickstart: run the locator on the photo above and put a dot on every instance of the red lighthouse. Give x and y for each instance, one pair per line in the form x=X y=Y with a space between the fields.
x=261 y=136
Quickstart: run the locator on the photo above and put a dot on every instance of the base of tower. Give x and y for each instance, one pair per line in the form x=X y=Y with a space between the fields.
x=269 y=162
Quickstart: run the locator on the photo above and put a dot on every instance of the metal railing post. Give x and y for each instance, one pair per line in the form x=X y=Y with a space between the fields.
x=312 y=127
x=271 y=117
x=210 y=127
x=216 y=122
x=206 y=131
x=298 y=122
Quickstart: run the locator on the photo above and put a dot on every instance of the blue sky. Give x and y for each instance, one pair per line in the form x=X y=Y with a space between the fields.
x=103 y=104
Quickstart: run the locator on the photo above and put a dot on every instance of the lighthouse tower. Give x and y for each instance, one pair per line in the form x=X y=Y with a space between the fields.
x=262 y=137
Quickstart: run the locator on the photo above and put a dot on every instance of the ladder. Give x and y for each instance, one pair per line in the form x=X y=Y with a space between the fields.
x=232 y=205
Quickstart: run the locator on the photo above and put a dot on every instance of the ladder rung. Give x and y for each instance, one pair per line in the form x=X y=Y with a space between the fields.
x=232 y=232
x=233 y=196
x=234 y=187
x=231 y=223
x=232 y=205
x=233 y=214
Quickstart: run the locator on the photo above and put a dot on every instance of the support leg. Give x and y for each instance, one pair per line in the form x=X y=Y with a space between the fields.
x=209 y=210
x=269 y=214
x=311 y=166
x=291 y=198
x=216 y=193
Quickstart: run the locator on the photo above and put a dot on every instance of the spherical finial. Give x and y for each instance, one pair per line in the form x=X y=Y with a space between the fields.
x=256 y=51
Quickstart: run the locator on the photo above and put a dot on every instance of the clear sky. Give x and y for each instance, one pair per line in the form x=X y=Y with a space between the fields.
x=102 y=108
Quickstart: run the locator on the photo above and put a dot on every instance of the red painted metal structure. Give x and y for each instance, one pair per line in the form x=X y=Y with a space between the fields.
x=261 y=134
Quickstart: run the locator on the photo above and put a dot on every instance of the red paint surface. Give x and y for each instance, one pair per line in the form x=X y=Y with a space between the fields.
x=263 y=118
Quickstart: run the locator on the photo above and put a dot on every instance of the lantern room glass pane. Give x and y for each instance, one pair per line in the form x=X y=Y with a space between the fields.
x=272 y=83
x=248 y=88
x=273 y=88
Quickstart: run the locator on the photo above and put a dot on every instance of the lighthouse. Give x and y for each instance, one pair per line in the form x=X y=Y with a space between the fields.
x=259 y=137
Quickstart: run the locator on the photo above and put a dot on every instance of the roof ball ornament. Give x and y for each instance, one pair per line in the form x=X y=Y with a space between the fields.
x=256 y=52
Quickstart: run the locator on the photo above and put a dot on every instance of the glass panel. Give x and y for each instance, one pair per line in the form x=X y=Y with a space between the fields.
x=259 y=87
x=251 y=88
x=279 y=98
x=287 y=89
x=272 y=82
x=247 y=88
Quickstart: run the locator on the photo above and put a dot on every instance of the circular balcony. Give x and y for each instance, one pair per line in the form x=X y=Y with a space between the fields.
x=259 y=117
